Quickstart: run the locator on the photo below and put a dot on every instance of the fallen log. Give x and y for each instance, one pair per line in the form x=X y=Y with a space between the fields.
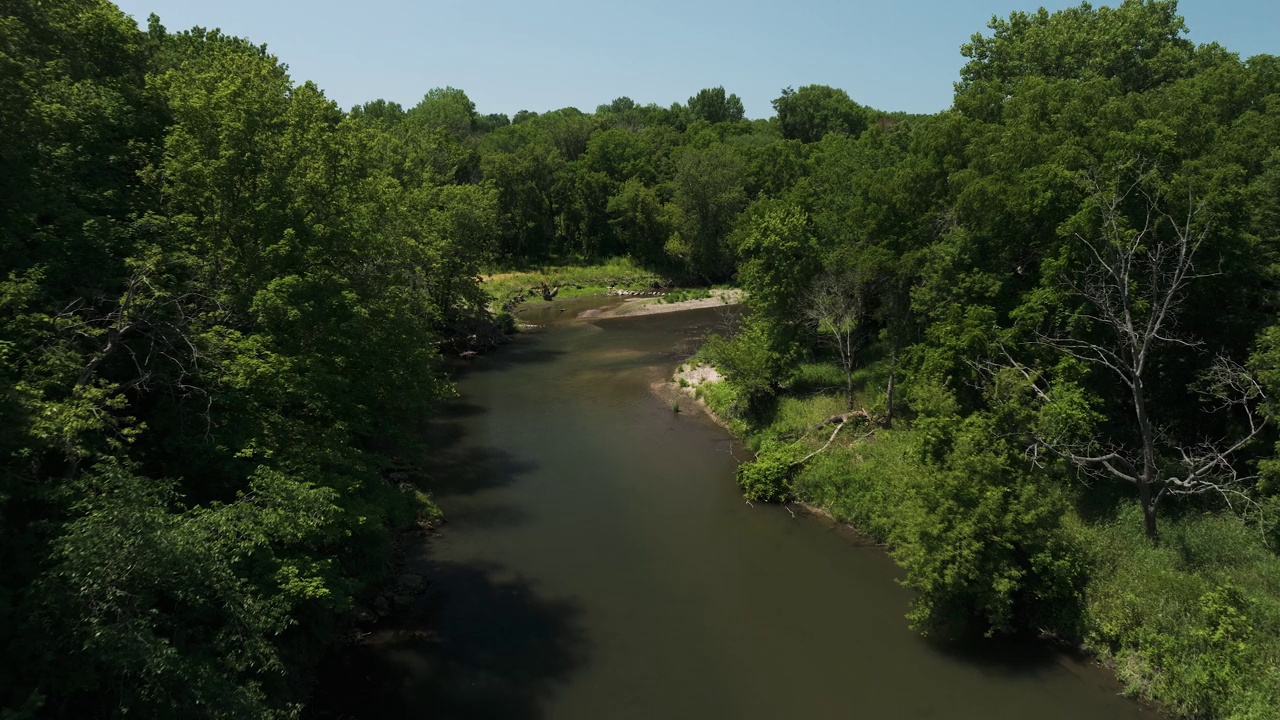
x=844 y=418
x=839 y=421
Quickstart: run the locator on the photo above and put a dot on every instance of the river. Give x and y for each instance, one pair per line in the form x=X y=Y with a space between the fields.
x=599 y=562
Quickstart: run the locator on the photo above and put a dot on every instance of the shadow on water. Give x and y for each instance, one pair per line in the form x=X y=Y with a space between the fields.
x=524 y=349
x=1006 y=656
x=455 y=468
x=481 y=644
x=466 y=470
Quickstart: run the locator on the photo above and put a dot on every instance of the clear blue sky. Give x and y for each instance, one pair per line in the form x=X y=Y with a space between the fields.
x=510 y=55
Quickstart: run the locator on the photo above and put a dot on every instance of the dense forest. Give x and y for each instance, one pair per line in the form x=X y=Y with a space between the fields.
x=225 y=300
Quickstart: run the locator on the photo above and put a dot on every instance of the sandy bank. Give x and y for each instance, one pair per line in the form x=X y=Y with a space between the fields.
x=652 y=305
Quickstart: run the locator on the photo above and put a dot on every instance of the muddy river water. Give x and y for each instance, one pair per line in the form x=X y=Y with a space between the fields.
x=599 y=562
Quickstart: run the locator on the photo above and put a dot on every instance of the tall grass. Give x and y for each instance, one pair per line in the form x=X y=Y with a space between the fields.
x=685 y=294
x=1193 y=622
x=571 y=279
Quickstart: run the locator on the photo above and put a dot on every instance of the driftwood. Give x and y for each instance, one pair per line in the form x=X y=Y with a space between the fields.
x=839 y=421
x=844 y=418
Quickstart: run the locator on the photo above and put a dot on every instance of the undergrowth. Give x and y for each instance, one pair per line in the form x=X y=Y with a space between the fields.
x=685 y=294
x=1192 y=624
x=572 y=280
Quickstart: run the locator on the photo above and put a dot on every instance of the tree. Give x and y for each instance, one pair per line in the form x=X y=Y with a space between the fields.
x=712 y=105
x=1134 y=286
x=811 y=112
x=635 y=214
x=448 y=109
x=835 y=307
x=709 y=193
x=1139 y=43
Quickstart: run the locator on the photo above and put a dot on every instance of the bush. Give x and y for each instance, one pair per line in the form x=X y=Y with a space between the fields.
x=768 y=477
x=1194 y=622
x=751 y=361
x=983 y=542
x=683 y=295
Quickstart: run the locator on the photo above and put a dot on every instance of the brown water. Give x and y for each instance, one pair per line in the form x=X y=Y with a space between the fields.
x=599 y=562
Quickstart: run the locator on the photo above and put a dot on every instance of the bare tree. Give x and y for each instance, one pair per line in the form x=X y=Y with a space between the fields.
x=1135 y=285
x=834 y=305
x=149 y=327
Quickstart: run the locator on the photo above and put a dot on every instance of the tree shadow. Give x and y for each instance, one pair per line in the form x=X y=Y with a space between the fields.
x=469 y=469
x=524 y=349
x=1101 y=500
x=480 y=644
x=1006 y=656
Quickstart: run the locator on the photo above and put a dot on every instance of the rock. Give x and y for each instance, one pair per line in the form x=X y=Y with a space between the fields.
x=363 y=615
x=381 y=606
x=411 y=582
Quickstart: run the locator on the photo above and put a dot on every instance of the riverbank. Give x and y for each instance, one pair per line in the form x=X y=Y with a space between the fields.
x=635 y=306
x=1190 y=625
x=598 y=560
x=507 y=289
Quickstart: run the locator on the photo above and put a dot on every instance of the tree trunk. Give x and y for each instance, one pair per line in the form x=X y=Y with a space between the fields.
x=848 y=385
x=888 y=393
x=1148 y=508
x=1146 y=477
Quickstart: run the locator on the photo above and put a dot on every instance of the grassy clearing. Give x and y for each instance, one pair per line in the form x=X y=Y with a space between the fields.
x=865 y=484
x=573 y=280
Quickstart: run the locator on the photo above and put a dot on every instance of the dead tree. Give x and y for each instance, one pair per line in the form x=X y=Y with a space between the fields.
x=835 y=307
x=1135 y=284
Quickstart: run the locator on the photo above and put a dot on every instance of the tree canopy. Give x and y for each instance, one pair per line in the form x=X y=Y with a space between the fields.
x=224 y=301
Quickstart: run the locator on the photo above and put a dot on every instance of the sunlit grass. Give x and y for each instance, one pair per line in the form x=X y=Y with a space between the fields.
x=1194 y=621
x=573 y=280
x=686 y=294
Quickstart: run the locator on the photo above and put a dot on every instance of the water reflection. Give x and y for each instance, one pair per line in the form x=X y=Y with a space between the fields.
x=599 y=562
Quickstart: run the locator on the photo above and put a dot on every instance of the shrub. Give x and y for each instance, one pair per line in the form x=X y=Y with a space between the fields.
x=683 y=295
x=768 y=477
x=983 y=544
x=1194 y=622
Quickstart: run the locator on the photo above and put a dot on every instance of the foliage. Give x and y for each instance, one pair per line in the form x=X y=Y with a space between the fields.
x=221 y=299
x=768 y=477
x=813 y=111
x=685 y=294
x=751 y=361
x=982 y=541
x=1195 y=622
x=713 y=106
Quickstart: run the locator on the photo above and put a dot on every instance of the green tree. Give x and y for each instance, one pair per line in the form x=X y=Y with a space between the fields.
x=811 y=112
x=709 y=194
x=714 y=106
x=635 y=214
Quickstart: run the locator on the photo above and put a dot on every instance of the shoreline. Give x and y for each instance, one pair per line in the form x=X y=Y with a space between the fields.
x=1074 y=656
x=698 y=374
x=634 y=307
